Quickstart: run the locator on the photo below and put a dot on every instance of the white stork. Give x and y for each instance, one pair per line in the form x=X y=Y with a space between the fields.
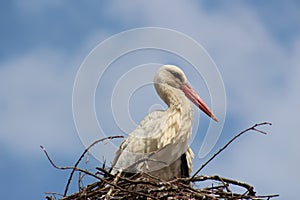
x=159 y=145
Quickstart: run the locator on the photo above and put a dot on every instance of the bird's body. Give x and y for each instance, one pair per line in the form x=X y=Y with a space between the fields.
x=159 y=145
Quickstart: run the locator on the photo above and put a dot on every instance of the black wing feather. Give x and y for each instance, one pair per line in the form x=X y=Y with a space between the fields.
x=184 y=167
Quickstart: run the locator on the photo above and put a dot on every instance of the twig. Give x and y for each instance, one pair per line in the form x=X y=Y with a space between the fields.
x=267 y=196
x=253 y=128
x=67 y=167
x=53 y=195
x=80 y=178
x=225 y=180
x=93 y=175
x=82 y=155
x=225 y=185
x=136 y=181
x=112 y=187
x=142 y=160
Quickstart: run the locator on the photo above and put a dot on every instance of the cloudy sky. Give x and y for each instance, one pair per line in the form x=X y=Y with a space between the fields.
x=255 y=45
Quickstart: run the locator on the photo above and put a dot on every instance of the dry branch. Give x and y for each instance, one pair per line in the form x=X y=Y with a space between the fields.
x=252 y=128
x=82 y=155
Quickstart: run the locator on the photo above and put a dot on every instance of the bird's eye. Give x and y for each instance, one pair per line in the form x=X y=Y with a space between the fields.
x=177 y=75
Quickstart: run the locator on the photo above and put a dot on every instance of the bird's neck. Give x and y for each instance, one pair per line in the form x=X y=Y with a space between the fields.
x=176 y=100
x=180 y=111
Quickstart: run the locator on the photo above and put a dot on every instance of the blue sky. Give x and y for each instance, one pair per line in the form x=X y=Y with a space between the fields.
x=255 y=44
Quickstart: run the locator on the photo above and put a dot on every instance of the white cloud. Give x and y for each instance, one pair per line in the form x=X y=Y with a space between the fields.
x=36 y=99
x=36 y=102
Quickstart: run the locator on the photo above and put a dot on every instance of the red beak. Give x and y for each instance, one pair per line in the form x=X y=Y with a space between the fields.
x=194 y=97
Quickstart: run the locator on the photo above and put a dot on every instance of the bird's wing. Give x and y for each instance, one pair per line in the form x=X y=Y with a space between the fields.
x=189 y=159
x=148 y=147
x=184 y=166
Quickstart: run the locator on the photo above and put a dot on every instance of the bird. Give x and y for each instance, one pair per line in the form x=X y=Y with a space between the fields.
x=159 y=144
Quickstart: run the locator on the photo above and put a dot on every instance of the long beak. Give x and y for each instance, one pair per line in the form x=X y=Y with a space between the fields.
x=194 y=97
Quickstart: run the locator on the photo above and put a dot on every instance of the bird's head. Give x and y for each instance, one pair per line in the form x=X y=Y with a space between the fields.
x=170 y=75
x=173 y=76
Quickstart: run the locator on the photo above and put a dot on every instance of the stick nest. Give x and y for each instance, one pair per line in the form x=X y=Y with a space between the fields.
x=145 y=186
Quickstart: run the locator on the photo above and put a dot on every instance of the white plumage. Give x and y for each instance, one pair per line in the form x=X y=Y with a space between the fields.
x=159 y=145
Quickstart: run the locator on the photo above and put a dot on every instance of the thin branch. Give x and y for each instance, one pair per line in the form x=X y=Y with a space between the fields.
x=143 y=161
x=92 y=175
x=82 y=155
x=67 y=167
x=225 y=180
x=112 y=187
x=78 y=161
x=225 y=184
x=252 y=128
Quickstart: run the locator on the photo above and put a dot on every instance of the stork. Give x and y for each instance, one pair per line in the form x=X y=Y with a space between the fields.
x=159 y=144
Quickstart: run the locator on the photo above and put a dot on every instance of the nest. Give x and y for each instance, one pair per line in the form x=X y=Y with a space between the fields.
x=145 y=186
